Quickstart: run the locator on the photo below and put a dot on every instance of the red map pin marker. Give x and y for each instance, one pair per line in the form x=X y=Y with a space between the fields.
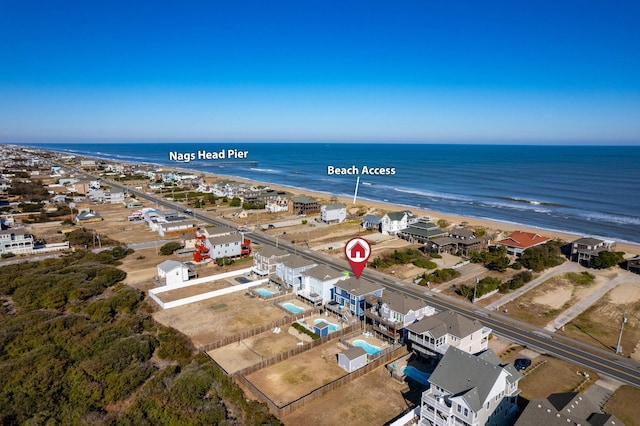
x=357 y=251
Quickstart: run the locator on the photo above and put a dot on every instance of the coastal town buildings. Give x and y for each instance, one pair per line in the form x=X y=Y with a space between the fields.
x=266 y=259
x=349 y=296
x=421 y=231
x=317 y=284
x=303 y=205
x=172 y=272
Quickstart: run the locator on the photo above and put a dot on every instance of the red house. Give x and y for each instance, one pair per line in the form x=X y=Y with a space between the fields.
x=519 y=241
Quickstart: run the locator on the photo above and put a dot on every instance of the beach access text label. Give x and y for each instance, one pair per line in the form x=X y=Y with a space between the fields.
x=365 y=170
x=225 y=154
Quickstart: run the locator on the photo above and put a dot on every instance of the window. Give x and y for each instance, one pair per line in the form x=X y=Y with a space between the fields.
x=459 y=408
x=466 y=412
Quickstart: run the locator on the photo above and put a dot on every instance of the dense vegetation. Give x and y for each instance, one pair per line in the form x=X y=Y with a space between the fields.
x=168 y=248
x=489 y=284
x=402 y=257
x=77 y=347
x=495 y=259
x=544 y=256
x=438 y=276
x=607 y=259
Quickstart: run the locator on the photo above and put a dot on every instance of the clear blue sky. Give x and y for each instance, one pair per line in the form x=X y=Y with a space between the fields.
x=433 y=71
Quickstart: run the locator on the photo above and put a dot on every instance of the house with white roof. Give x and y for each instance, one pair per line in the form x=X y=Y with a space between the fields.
x=433 y=335
x=174 y=272
x=473 y=390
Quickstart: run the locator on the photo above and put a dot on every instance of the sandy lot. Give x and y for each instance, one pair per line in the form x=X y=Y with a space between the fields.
x=213 y=319
x=372 y=399
x=553 y=376
x=299 y=375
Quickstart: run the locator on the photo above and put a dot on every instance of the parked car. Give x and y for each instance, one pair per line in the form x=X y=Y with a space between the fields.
x=522 y=363
x=271 y=226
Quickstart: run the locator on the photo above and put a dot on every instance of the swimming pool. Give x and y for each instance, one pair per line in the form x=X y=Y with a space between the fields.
x=370 y=349
x=332 y=326
x=264 y=292
x=294 y=309
x=417 y=375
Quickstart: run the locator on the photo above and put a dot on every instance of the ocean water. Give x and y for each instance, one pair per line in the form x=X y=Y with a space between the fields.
x=586 y=190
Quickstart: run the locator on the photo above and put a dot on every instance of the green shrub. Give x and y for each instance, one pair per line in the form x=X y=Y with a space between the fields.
x=304 y=330
x=169 y=248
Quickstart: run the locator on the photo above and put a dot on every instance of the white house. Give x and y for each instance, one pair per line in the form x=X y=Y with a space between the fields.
x=333 y=213
x=393 y=222
x=174 y=272
x=473 y=390
x=317 y=283
x=352 y=359
x=16 y=241
x=225 y=246
x=393 y=312
x=433 y=335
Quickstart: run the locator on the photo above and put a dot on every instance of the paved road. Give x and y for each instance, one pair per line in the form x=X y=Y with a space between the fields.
x=562 y=269
x=604 y=362
x=583 y=305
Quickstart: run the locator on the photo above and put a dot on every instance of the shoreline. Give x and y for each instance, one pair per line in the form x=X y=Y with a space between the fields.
x=491 y=225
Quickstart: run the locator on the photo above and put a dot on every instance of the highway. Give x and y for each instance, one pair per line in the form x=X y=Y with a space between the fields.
x=601 y=361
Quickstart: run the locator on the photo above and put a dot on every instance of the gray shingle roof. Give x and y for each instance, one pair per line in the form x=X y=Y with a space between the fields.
x=353 y=352
x=336 y=206
x=446 y=322
x=295 y=262
x=466 y=375
x=322 y=272
x=402 y=303
x=271 y=252
x=358 y=287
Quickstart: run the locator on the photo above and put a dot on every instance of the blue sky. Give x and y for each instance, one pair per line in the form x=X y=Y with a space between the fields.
x=425 y=71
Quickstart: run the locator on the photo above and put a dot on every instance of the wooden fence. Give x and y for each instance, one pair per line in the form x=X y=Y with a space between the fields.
x=323 y=390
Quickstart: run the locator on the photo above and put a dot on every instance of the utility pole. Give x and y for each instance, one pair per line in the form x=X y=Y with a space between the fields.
x=624 y=321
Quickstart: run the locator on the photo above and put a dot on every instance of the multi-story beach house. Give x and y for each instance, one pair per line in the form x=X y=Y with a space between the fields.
x=289 y=272
x=421 y=231
x=519 y=241
x=390 y=314
x=471 y=390
x=172 y=272
x=317 y=283
x=16 y=241
x=459 y=240
x=584 y=249
x=349 y=296
x=231 y=245
x=392 y=223
x=433 y=335
x=333 y=213
x=266 y=259
x=303 y=205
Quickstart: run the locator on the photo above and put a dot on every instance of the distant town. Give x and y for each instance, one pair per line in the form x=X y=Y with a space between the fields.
x=449 y=324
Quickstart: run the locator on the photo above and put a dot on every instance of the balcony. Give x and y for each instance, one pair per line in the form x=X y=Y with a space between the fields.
x=314 y=298
x=423 y=345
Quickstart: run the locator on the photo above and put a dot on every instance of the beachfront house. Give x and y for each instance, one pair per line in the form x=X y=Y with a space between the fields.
x=433 y=335
x=372 y=222
x=519 y=241
x=392 y=223
x=16 y=241
x=348 y=296
x=473 y=390
x=561 y=409
x=421 y=231
x=353 y=358
x=172 y=272
x=633 y=265
x=584 y=249
x=317 y=283
x=390 y=314
x=333 y=213
x=303 y=205
x=458 y=241
x=266 y=259
x=289 y=272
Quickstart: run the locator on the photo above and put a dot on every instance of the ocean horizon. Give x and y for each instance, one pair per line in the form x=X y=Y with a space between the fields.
x=588 y=190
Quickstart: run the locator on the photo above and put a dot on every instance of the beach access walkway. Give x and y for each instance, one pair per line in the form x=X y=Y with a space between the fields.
x=562 y=269
x=575 y=310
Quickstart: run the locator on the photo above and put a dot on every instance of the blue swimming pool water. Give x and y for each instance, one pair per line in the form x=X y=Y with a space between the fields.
x=417 y=375
x=264 y=292
x=294 y=309
x=370 y=349
x=332 y=326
